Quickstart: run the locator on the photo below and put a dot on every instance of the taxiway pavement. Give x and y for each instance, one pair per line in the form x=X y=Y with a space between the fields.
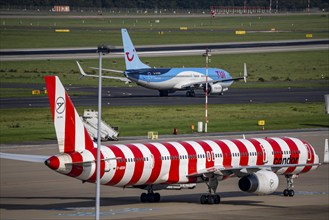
x=138 y=96
x=33 y=191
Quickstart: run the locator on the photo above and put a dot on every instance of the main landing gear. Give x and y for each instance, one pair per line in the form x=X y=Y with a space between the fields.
x=163 y=93
x=290 y=185
x=190 y=93
x=150 y=196
x=211 y=197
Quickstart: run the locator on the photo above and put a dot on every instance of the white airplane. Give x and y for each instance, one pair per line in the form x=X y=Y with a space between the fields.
x=168 y=80
x=257 y=162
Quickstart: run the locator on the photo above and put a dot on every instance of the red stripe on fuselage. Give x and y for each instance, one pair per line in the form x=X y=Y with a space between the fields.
x=139 y=164
x=157 y=163
x=121 y=165
x=227 y=158
x=277 y=151
x=260 y=156
x=76 y=169
x=192 y=160
x=208 y=152
x=244 y=158
x=173 y=176
x=306 y=169
x=294 y=156
x=102 y=168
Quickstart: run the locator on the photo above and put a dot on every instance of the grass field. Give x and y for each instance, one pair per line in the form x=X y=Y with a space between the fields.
x=39 y=32
x=282 y=69
x=24 y=125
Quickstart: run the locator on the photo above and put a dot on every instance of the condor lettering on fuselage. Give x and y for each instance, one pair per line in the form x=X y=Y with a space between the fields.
x=289 y=160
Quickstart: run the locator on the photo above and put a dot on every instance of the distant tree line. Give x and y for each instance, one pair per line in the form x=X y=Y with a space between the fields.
x=170 y=4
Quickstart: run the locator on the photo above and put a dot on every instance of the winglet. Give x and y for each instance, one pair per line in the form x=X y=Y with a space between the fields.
x=82 y=72
x=245 y=74
x=326 y=152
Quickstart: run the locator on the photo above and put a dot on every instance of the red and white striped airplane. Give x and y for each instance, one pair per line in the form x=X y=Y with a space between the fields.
x=155 y=166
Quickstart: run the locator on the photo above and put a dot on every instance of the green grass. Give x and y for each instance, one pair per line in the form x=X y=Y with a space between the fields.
x=282 y=69
x=39 y=32
x=23 y=125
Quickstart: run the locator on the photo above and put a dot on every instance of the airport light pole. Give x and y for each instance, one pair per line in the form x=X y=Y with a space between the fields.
x=207 y=54
x=101 y=50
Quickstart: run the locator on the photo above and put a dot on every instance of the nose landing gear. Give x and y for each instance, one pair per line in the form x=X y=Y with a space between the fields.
x=290 y=185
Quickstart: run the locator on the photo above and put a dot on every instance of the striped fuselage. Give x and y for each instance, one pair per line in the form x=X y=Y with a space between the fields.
x=170 y=162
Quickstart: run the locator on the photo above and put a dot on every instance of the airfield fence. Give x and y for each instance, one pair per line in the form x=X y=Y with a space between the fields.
x=27 y=9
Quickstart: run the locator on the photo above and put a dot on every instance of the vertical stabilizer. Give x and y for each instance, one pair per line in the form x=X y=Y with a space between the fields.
x=71 y=134
x=131 y=57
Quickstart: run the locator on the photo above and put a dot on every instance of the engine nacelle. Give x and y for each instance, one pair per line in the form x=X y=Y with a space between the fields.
x=214 y=88
x=261 y=182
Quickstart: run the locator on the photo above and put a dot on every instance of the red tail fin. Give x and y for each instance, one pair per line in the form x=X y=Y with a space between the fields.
x=71 y=134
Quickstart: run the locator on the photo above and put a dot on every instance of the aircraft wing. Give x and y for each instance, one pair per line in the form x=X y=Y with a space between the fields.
x=244 y=170
x=24 y=157
x=108 y=70
x=123 y=79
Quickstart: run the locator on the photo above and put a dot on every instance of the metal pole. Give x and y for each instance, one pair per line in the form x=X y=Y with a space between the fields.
x=206 y=106
x=98 y=173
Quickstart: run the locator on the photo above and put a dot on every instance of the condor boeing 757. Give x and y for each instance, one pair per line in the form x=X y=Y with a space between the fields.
x=168 y=80
x=257 y=162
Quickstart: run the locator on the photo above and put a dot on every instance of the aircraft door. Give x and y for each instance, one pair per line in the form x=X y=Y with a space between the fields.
x=264 y=154
x=148 y=76
x=309 y=151
x=150 y=161
x=107 y=166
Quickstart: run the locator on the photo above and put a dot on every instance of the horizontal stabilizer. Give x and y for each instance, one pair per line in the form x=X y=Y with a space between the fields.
x=81 y=163
x=22 y=157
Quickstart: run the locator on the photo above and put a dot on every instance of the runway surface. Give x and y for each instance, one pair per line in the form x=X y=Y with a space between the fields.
x=167 y=50
x=139 y=96
x=33 y=191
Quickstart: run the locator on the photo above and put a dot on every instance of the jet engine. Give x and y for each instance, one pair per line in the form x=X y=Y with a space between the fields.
x=261 y=182
x=214 y=88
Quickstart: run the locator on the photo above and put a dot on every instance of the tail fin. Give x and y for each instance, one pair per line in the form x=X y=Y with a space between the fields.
x=131 y=56
x=71 y=134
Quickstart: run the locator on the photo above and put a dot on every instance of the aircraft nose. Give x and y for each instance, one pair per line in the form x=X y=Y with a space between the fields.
x=53 y=162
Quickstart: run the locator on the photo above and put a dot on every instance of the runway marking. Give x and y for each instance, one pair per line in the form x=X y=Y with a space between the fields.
x=308 y=193
x=83 y=212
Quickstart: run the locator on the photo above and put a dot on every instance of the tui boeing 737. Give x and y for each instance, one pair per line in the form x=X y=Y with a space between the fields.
x=169 y=80
x=153 y=166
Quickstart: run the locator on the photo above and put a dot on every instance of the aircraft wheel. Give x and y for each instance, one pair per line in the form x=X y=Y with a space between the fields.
x=216 y=199
x=211 y=199
x=163 y=93
x=285 y=192
x=143 y=197
x=291 y=193
x=190 y=94
x=157 y=197
x=150 y=197
x=203 y=199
